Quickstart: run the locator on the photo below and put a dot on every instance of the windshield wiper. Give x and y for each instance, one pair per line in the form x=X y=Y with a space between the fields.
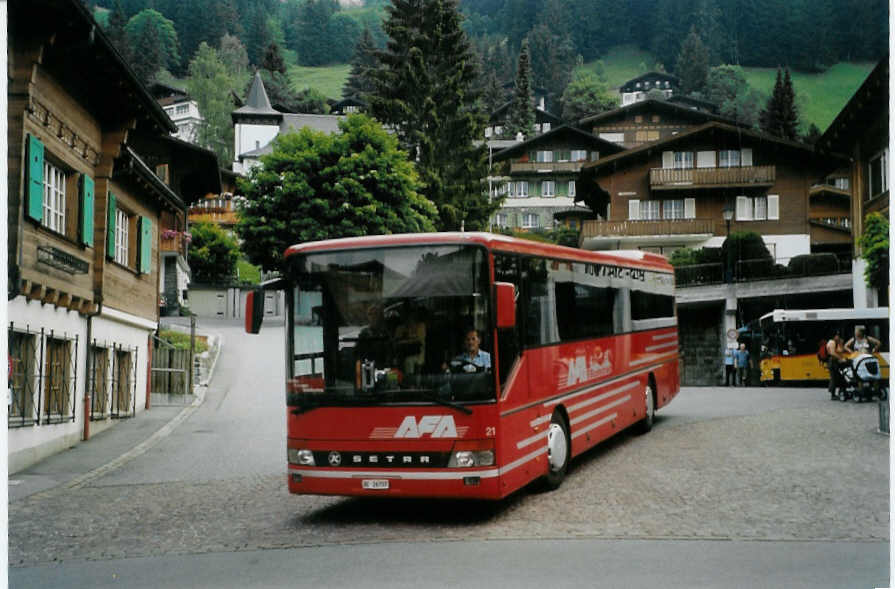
x=432 y=396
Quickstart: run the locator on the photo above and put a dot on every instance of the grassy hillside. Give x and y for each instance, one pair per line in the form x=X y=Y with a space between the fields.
x=328 y=80
x=819 y=97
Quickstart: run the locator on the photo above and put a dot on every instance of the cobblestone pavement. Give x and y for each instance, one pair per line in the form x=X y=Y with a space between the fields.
x=817 y=473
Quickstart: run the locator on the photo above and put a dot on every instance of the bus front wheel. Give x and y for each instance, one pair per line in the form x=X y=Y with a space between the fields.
x=558 y=451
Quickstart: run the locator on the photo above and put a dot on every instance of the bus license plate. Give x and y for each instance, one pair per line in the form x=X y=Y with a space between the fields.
x=377 y=484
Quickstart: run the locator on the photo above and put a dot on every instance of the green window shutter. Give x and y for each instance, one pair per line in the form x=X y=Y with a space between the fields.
x=110 y=228
x=34 y=181
x=85 y=219
x=144 y=264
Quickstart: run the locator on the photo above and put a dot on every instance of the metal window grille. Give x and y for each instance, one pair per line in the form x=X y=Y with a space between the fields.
x=24 y=377
x=99 y=385
x=60 y=378
x=124 y=382
x=54 y=198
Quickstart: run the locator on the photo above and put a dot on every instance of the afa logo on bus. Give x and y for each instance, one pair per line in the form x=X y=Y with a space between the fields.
x=439 y=426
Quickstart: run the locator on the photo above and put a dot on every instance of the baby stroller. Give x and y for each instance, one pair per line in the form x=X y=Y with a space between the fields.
x=861 y=379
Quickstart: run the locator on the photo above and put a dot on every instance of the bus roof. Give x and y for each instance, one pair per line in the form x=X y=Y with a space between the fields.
x=493 y=241
x=781 y=315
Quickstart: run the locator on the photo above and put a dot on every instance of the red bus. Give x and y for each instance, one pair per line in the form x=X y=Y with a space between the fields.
x=388 y=394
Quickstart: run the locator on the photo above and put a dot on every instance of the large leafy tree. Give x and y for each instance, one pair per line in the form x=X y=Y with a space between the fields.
x=318 y=186
x=153 y=43
x=210 y=84
x=874 y=244
x=213 y=253
x=521 y=116
x=587 y=95
x=424 y=90
x=727 y=87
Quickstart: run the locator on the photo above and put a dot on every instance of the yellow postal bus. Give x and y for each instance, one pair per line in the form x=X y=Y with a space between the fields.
x=791 y=338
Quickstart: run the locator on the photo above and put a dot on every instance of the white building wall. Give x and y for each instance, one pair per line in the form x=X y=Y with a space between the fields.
x=32 y=443
x=782 y=247
x=249 y=137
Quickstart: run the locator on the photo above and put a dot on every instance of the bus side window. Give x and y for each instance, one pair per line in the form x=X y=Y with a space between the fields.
x=506 y=269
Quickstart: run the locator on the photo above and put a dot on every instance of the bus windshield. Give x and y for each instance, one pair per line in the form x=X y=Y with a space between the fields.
x=390 y=325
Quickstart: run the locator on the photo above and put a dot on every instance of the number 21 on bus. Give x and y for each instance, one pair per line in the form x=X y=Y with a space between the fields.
x=465 y=364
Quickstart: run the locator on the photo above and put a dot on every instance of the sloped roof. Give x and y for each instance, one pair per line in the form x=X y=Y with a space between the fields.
x=650 y=75
x=564 y=130
x=712 y=127
x=500 y=113
x=657 y=105
x=859 y=112
x=257 y=102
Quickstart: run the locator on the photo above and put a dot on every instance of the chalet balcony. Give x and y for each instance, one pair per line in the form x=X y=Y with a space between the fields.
x=213 y=210
x=543 y=167
x=175 y=241
x=677 y=179
x=643 y=228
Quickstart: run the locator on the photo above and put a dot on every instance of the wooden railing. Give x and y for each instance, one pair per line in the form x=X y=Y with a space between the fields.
x=670 y=178
x=664 y=227
x=174 y=243
x=516 y=167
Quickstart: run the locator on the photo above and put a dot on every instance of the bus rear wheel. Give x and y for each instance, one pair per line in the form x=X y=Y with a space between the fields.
x=646 y=424
x=558 y=451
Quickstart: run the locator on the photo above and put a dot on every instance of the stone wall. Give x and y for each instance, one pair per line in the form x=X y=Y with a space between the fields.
x=699 y=330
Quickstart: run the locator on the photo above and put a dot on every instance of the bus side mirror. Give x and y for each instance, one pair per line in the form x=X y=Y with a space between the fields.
x=505 y=299
x=254 y=310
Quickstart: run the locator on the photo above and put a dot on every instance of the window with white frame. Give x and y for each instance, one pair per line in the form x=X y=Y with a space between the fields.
x=571 y=188
x=649 y=210
x=758 y=208
x=878 y=181
x=579 y=155
x=548 y=188
x=546 y=127
x=613 y=137
x=530 y=221
x=673 y=209
x=683 y=160
x=544 y=156
x=122 y=236
x=517 y=189
x=729 y=158
x=54 y=198
x=501 y=220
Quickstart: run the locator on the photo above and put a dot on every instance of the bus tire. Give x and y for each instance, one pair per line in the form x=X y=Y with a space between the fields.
x=649 y=398
x=559 y=450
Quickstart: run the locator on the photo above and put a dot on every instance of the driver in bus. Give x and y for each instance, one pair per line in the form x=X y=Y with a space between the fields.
x=471 y=359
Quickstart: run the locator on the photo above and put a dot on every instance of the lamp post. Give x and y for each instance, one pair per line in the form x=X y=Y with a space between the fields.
x=727 y=213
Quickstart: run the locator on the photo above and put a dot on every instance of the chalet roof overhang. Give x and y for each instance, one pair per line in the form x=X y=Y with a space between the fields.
x=131 y=166
x=650 y=105
x=871 y=99
x=76 y=51
x=605 y=166
x=500 y=114
x=664 y=76
x=565 y=131
x=203 y=173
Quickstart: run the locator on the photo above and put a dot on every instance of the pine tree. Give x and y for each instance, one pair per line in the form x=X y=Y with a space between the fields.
x=115 y=32
x=147 y=57
x=362 y=62
x=424 y=90
x=780 y=116
x=273 y=59
x=692 y=64
x=521 y=117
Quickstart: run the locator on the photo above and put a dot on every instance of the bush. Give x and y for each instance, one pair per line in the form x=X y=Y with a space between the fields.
x=181 y=341
x=813 y=264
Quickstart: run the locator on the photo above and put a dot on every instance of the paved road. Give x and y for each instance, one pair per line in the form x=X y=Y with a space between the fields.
x=782 y=475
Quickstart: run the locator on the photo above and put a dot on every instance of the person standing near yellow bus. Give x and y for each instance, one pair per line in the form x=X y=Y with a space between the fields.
x=862 y=343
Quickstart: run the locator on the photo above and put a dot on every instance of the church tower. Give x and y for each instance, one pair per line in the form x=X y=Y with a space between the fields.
x=255 y=125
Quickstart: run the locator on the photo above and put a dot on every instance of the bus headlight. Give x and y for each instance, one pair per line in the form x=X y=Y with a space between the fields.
x=471 y=458
x=301 y=457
